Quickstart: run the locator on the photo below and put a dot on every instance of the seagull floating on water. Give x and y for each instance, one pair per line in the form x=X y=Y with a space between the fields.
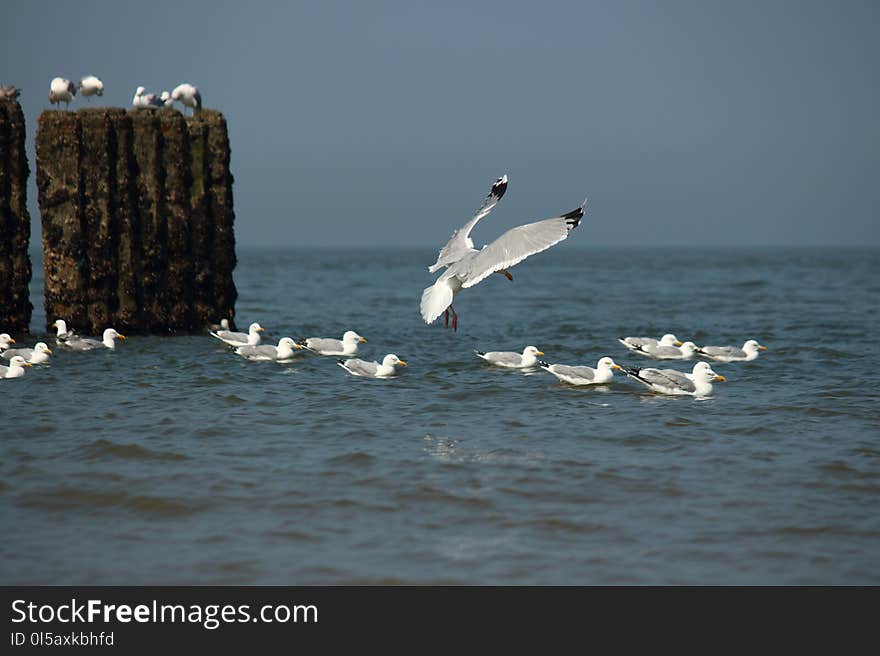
x=15 y=368
x=348 y=345
x=91 y=86
x=748 y=352
x=633 y=343
x=285 y=350
x=698 y=383
x=358 y=367
x=5 y=341
x=251 y=338
x=511 y=360
x=188 y=95
x=62 y=334
x=467 y=266
x=662 y=352
x=61 y=90
x=603 y=373
x=223 y=325
x=108 y=340
x=37 y=355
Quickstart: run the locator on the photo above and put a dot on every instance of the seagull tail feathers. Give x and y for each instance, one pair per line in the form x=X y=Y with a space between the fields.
x=435 y=300
x=631 y=371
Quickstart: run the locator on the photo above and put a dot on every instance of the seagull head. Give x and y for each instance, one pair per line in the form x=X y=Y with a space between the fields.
x=392 y=360
x=607 y=363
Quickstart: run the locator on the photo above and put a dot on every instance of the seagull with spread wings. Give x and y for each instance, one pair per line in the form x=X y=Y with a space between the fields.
x=466 y=266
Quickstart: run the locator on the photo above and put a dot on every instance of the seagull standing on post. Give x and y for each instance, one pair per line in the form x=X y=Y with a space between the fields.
x=61 y=90
x=188 y=95
x=91 y=86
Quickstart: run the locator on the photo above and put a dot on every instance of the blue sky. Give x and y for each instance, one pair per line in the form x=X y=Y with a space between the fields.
x=385 y=123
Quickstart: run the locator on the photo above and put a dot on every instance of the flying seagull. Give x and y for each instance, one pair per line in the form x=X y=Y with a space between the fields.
x=467 y=266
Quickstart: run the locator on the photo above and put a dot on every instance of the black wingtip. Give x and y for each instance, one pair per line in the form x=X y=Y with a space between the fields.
x=541 y=363
x=632 y=371
x=340 y=361
x=480 y=353
x=574 y=217
x=499 y=187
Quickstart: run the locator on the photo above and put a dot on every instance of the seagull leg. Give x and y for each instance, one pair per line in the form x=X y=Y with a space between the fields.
x=506 y=274
x=454 y=319
x=446 y=318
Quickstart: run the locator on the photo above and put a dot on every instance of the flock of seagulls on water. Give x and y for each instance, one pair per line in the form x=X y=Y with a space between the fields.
x=465 y=266
x=62 y=90
x=248 y=346
x=696 y=383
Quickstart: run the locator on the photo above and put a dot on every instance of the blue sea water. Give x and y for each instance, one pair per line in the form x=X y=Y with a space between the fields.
x=174 y=461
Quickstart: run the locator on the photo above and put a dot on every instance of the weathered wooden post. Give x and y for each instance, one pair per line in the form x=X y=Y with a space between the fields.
x=137 y=219
x=65 y=267
x=15 y=221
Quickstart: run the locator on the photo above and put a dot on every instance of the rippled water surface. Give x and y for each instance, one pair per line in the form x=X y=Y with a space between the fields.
x=172 y=460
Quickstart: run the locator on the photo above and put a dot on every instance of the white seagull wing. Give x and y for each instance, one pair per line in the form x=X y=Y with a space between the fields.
x=668 y=380
x=324 y=346
x=459 y=244
x=514 y=246
x=359 y=367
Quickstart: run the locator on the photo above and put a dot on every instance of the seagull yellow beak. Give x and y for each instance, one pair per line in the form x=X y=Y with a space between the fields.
x=48 y=351
x=720 y=378
x=11 y=341
x=617 y=366
x=678 y=342
x=362 y=340
x=121 y=336
x=762 y=348
x=28 y=364
x=402 y=362
x=261 y=330
x=539 y=352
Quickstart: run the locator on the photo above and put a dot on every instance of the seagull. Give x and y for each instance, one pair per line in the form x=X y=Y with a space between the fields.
x=61 y=90
x=511 y=360
x=748 y=352
x=143 y=100
x=166 y=99
x=63 y=335
x=669 y=381
x=358 y=367
x=633 y=343
x=251 y=338
x=37 y=355
x=107 y=340
x=5 y=341
x=466 y=266
x=603 y=373
x=9 y=91
x=91 y=86
x=684 y=352
x=348 y=345
x=284 y=351
x=188 y=95
x=15 y=368
x=223 y=325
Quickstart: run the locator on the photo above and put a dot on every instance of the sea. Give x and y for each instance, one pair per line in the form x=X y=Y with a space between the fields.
x=172 y=460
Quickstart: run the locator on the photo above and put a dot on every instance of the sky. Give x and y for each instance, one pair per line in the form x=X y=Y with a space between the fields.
x=385 y=123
